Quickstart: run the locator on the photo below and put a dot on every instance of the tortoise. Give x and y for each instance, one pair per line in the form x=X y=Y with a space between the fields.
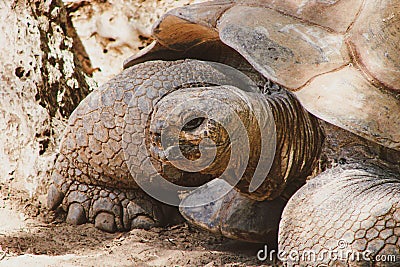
x=322 y=75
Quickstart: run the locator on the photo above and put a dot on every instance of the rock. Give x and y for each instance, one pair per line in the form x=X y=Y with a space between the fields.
x=41 y=83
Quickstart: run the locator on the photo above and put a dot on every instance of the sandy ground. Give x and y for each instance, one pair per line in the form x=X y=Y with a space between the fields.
x=30 y=235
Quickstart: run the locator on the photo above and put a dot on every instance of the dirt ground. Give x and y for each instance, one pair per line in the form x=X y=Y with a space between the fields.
x=30 y=235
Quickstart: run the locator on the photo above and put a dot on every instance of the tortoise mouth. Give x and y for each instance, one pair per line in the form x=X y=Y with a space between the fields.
x=189 y=149
x=170 y=142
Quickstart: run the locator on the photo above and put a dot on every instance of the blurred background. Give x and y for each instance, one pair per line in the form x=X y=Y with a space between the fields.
x=112 y=30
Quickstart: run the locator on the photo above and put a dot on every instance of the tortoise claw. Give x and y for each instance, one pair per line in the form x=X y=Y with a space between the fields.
x=76 y=214
x=106 y=222
x=54 y=197
x=142 y=222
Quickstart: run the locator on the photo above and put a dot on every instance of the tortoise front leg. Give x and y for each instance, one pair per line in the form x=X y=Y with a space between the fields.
x=109 y=208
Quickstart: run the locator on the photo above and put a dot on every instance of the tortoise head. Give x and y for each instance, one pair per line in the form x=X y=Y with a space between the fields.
x=210 y=130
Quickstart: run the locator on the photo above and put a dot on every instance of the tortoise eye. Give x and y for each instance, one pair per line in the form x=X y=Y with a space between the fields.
x=193 y=124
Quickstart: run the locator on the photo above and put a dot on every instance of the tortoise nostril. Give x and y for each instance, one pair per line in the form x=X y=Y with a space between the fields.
x=156 y=138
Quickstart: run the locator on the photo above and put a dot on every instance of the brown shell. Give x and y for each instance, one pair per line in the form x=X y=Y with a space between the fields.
x=340 y=57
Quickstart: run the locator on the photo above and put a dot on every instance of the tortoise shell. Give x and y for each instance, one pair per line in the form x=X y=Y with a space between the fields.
x=340 y=57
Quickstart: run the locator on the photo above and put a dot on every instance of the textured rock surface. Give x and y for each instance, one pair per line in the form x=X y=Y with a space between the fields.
x=40 y=86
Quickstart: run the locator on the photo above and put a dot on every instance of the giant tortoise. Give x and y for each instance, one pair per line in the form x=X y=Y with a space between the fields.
x=301 y=90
